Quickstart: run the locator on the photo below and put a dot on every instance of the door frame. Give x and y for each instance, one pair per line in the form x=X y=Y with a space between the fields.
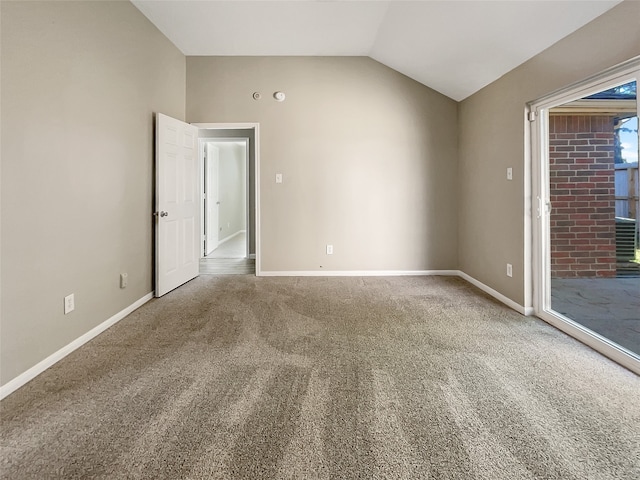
x=256 y=178
x=537 y=112
x=203 y=141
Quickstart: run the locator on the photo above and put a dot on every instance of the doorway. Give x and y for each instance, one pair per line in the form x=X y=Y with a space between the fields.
x=225 y=203
x=229 y=161
x=583 y=138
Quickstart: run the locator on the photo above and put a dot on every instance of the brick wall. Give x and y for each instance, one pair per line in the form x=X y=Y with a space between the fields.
x=581 y=170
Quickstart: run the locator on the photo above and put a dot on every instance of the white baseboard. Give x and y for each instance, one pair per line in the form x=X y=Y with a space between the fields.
x=497 y=295
x=37 y=369
x=40 y=367
x=392 y=273
x=226 y=239
x=356 y=273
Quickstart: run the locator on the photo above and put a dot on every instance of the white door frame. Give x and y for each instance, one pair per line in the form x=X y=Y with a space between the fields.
x=538 y=112
x=203 y=141
x=256 y=129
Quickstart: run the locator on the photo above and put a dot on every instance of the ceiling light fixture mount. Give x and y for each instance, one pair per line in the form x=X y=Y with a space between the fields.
x=257 y=96
x=279 y=96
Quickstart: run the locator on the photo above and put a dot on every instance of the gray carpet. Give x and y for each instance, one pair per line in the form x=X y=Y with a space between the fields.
x=406 y=377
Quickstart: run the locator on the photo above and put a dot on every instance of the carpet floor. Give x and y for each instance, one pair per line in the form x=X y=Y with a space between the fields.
x=240 y=377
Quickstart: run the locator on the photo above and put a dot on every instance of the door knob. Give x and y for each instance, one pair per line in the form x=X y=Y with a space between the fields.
x=162 y=214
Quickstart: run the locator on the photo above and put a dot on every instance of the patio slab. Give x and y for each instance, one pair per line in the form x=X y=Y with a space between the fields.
x=608 y=306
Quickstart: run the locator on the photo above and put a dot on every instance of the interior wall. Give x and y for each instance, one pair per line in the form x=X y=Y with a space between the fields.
x=80 y=84
x=368 y=157
x=232 y=190
x=492 y=125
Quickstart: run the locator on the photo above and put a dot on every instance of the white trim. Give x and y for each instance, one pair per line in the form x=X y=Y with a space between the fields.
x=54 y=358
x=247 y=195
x=202 y=141
x=257 y=227
x=256 y=130
x=603 y=345
x=225 y=126
x=528 y=219
x=497 y=295
x=357 y=273
x=396 y=273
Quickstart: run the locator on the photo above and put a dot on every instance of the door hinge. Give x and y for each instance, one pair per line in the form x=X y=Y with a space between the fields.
x=531 y=116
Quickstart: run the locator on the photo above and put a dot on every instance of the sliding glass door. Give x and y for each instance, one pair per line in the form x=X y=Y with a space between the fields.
x=585 y=184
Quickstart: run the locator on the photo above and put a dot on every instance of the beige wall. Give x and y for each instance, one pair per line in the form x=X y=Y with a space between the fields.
x=491 y=217
x=80 y=83
x=368 y=158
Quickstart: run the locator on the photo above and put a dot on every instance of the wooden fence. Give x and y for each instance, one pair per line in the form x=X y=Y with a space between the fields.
x=627 y=191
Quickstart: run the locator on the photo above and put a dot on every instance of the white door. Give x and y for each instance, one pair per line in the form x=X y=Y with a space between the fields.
x=177 y=213
x=212 y=200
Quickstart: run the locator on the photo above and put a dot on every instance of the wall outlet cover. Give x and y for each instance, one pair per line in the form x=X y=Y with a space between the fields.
x=69 y=303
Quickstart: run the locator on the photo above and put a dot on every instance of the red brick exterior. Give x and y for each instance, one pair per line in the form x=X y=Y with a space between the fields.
x=582 y=189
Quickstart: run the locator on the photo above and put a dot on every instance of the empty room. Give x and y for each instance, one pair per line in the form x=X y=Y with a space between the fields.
x=319 y=239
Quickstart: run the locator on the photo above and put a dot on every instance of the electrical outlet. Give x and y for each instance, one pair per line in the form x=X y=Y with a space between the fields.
x=329 y=249
x=124 y=280
x=69 y=303
x=509 y=270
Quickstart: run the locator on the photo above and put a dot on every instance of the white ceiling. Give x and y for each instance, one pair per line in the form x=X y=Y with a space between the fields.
x=454 y=47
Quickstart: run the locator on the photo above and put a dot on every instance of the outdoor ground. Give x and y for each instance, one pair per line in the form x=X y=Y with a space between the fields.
x=608 y=306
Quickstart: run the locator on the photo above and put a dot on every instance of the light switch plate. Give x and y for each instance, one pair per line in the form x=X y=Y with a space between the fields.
x=509 y=173
x=278 y=178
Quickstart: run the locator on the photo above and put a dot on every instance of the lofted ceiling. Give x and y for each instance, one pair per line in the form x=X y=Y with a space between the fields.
x=454 y=47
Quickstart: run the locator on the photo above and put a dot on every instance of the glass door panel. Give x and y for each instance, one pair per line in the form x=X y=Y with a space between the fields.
x=594 y=217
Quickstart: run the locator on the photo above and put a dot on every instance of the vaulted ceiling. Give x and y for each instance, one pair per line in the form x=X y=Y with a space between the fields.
x=454 y=47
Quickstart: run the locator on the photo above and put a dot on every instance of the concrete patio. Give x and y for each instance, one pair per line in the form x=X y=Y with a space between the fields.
x=607 y=306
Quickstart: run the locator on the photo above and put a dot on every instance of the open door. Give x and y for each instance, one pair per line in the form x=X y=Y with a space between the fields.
x=212 y=201
x=177 y=217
